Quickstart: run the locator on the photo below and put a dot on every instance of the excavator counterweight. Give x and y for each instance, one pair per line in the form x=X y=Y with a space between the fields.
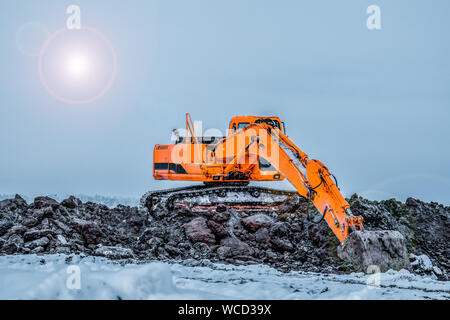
x=258 y=149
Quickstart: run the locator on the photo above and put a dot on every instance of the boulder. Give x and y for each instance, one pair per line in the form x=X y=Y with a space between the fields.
x=282 y=244
x=71 y=202
x=421 y=262
x=385 y=249
x=254 y=222
x=154 y=244
x=237 y=247
x=13 y=244
x=173 y=251
x=62 y=226
x=221 y=216
x=18 y=229
x=37 y=234
x=61 y=239
x=42 y=202
x=280 y=229
x=262 y=236
x=198 y=231
x=423 y=265
x=182 y=210
x=89 y=230
x=218 y=229
x=41 y=242
x=5 y=204
x=37 y=250
x=30 y=221
x=223 y=252
x=4 y=227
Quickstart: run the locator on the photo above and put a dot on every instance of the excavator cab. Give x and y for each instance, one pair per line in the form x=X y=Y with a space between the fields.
x=241 y=122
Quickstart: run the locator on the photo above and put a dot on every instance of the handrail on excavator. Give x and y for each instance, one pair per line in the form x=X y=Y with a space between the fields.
x=190 y=128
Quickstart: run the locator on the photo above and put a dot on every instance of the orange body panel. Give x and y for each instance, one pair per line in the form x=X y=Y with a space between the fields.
x=189 y=162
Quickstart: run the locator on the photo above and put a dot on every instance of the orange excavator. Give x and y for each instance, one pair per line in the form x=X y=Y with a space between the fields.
x=254 y=149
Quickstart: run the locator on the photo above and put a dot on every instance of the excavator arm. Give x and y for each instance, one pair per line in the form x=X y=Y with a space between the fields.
x=310 y=178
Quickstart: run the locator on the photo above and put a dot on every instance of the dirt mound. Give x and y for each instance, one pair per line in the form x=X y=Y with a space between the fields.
x=291 y=241
x=432 y=222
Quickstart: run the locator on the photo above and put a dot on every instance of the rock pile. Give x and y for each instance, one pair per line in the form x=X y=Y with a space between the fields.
x=123 y=232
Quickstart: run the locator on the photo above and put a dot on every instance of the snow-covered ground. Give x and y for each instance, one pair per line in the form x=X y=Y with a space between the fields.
x=56 y=277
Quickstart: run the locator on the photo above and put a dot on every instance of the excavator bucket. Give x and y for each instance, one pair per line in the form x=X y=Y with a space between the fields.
x=367 y=251
x=370 y=251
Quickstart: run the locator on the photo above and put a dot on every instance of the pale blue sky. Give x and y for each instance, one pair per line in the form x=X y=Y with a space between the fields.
x=372 y=105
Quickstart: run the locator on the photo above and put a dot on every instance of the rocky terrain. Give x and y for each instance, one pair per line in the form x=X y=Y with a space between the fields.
x=288 y=242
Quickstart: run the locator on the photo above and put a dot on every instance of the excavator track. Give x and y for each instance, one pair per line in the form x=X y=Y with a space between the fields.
x=238 y=197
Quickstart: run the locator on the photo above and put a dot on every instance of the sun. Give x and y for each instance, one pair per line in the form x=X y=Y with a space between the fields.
x=77 y=65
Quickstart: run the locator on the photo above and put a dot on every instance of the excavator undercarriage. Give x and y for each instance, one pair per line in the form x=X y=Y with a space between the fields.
x=258 y=149
x=208 y=197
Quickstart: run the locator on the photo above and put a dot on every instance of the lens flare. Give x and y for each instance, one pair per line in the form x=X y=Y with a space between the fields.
x=30 y=38
x=77 y=66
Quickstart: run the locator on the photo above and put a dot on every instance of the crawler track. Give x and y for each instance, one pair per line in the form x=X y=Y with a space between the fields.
x=238 y=197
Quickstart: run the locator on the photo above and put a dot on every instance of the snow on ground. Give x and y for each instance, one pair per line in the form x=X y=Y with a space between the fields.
x=47 y=277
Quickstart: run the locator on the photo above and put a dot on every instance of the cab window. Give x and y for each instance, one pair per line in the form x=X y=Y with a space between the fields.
x=265 y=165
x=242 y=125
